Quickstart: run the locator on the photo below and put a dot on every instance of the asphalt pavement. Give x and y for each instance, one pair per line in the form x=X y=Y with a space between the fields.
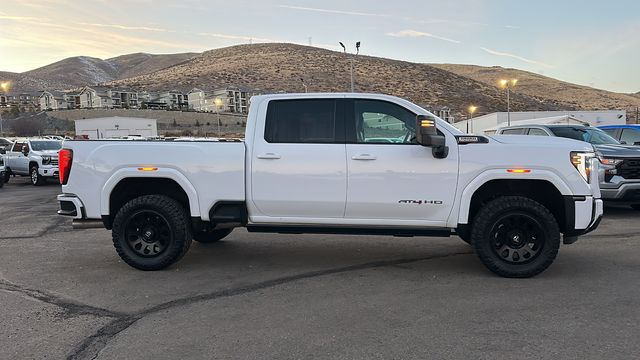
x=66 y=294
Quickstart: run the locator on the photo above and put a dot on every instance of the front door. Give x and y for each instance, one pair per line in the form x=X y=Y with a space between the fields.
x=298 y=167
x=19 y=162
x=390 y=176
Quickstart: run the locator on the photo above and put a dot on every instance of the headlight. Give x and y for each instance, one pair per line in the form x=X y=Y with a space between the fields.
x=582 y=162
x=609 y=164
x=46 y=160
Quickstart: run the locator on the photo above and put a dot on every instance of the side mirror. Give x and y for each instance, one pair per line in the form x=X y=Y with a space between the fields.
x=427 y=135
x=25 y=150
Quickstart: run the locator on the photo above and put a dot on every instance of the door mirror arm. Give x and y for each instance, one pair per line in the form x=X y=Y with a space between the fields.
x=427 y=135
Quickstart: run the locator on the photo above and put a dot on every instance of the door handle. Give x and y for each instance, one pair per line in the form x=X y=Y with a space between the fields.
x=363 y=157
x=269 y=156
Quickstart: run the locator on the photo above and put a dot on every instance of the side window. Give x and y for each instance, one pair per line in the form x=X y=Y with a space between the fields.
x=513 y=132
x=611 y=132
x=630 y=136
x=538 y=132
x=17 y=147
x=381 y=122
x=302 y=121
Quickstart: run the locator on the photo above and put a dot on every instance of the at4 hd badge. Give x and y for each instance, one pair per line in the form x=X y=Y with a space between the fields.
x=421 y=202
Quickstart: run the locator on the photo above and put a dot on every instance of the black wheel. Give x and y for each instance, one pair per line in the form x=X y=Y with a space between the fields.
x=464 y=233
x=1 y=179
x=515 y=237
x=635 y=207
x=7 y=176
x=151 y=232
x=207 y=237
x=36 y=179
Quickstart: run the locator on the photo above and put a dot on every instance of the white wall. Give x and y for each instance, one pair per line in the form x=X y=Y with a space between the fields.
x=101 y=128
x=595 y=118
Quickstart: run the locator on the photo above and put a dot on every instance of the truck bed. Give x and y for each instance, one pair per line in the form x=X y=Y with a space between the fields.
x=208 y=171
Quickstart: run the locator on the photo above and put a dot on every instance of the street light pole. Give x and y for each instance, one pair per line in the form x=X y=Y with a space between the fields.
x=508 y=107
x=217 y=102
x=351 y=61
x=4 y=85
x=472 y=109
x=508 y=84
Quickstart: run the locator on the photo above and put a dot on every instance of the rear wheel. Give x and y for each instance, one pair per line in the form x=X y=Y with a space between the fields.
x=207 y=237
x=36 y=179
x=515 y=237
x=151 y=232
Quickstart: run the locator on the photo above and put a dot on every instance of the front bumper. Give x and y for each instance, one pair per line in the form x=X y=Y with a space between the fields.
x=48 y=171
x=582 y=215
x=622 y=192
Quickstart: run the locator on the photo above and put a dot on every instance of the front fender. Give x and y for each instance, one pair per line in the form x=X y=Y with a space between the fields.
x=502 y=174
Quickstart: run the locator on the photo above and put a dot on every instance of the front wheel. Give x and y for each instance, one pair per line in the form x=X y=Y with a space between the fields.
x=6 y=176
x=36 y=179
x=515 y=237
x=151 y=232
x=208 y=237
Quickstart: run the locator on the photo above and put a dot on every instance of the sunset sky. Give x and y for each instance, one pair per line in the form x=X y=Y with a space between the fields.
x=594 y=43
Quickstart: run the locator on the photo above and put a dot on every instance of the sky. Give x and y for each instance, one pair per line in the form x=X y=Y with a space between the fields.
x=593 y=43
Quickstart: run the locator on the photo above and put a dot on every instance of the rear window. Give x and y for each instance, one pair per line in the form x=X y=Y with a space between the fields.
x=587 y=134
x=512 y=132
x=301 y=121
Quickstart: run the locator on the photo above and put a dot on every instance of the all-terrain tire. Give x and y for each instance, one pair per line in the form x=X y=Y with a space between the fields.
x=208 y=237
x=35 y=177
x=486 y=236
x=173 y=220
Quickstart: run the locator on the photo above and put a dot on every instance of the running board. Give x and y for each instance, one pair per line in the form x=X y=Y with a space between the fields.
x=402 y=232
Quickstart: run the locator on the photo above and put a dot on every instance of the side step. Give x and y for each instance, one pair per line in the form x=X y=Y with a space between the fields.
x=87 y=224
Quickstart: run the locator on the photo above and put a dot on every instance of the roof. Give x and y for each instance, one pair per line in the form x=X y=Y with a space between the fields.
x=548 y=121
x=626 y=126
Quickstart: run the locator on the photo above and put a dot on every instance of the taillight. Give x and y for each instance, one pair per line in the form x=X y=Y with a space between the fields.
x=65 y=158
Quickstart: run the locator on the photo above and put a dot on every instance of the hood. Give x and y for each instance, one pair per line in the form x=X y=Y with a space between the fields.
x=542 y=141
x=53 y=153
x=618 y=150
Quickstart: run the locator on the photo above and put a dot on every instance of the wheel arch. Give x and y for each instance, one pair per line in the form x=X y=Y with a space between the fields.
x=128 y=184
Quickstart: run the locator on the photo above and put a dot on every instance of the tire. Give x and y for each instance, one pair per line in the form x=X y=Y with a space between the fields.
x=2 y=179
x=35 y=177
x=7 y=176
x=151 y=232
x=464 y=233
x=208 y=237
x=515 y=237
x=635 y=207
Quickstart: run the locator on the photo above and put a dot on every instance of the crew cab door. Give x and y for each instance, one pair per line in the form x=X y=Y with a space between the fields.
x=18 y=162
x=391 y=178
x=298 y=166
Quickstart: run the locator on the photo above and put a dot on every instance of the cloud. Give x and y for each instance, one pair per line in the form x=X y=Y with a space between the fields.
x=17 y=18
x=124 y=27
x=415 y=34
x=332 y=11
x=517 y=57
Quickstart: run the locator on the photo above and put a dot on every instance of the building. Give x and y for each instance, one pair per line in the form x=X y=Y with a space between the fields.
x=53 y=100
x=114 y=127
x=95 y=97
x=123 y=98
x=231 y=100
x=479 y=124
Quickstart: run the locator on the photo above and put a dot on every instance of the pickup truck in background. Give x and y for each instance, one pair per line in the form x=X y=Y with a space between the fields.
x=36 y=158
x=620 y=163
x=2 y=169
x=340 y=164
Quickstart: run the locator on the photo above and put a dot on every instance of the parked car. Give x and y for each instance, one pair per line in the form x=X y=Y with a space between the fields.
x=620 y=178
x=308 y=165
x=36 y=158
x=1 y=170
x=626 y=134
x=5 y=144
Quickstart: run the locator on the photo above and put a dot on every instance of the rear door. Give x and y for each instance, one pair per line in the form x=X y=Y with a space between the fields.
x=298 y=160
x=391 y=178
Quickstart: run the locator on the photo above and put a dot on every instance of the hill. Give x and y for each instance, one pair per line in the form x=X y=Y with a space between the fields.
x=280 y=67
x=84 y=70
x=546 y=88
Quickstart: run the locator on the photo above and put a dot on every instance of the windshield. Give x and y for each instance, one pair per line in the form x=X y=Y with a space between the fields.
x=588 y=134
x=46 y=145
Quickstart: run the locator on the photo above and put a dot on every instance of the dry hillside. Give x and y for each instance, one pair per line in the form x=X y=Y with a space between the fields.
x=279 y=67
x=545 y=88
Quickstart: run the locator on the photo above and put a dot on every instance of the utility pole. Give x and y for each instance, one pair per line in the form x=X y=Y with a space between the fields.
x=508 y=84
x=351 y=59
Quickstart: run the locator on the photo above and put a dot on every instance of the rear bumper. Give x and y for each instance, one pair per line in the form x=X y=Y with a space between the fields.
x=582 y=215
x=70 y=205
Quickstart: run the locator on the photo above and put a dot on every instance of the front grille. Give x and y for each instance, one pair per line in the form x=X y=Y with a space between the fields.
x=54 y=162
x=629 y=169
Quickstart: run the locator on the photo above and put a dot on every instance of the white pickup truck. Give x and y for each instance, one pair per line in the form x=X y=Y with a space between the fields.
x=35 y=158
x=341 y=164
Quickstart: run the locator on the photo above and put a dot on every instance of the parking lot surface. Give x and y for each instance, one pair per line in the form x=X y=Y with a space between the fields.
x=66 y=293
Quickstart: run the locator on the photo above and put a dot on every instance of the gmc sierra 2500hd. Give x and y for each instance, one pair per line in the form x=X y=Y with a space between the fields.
x=337 y=163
